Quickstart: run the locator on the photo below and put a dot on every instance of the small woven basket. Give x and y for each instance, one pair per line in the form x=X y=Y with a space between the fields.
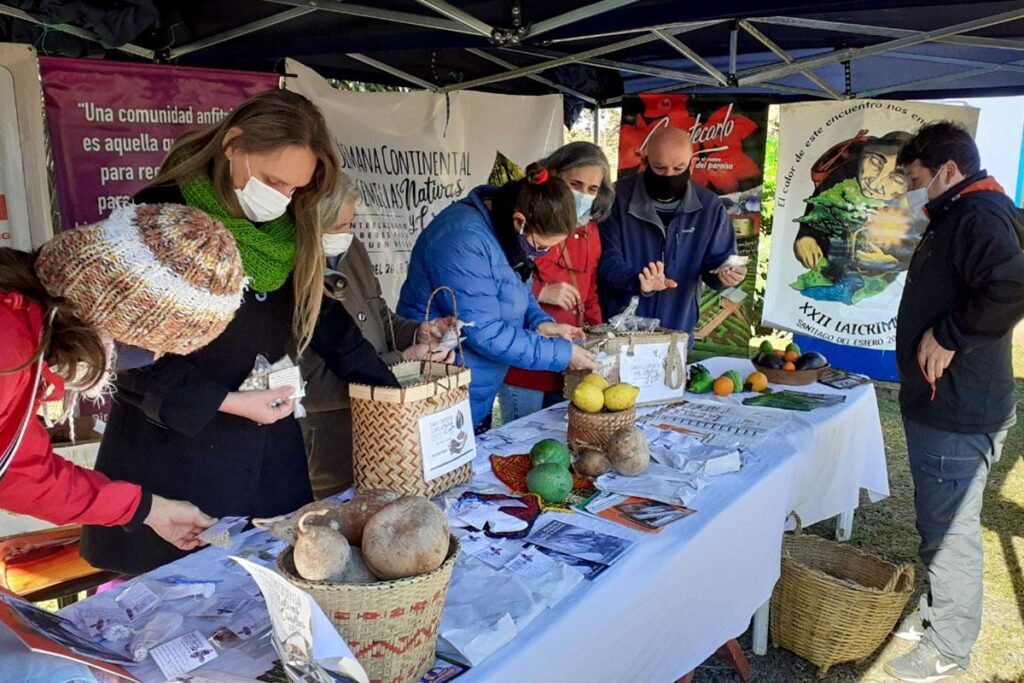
x=834 y=603
x=390 y=626
x=596 y=429
x=386 y=449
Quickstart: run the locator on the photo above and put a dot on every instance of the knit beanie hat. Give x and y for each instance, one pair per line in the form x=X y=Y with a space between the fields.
x=163 y=277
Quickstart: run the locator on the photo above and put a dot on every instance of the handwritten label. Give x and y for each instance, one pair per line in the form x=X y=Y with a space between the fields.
x=645 y=368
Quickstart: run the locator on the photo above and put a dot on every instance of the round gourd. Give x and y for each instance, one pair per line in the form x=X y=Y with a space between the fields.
x=551 y=482
x=628 y=452
x=405 y=538
x=321 y=553
x=357 y=512
x=593 y=463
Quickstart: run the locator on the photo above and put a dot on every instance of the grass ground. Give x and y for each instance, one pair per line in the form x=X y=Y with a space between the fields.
x=887 y=529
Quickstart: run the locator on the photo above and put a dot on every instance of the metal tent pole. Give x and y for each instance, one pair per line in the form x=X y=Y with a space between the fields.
x=407 y=18
x=806 y=73
x=238 y=31
x=392 y=70
x=76 y=32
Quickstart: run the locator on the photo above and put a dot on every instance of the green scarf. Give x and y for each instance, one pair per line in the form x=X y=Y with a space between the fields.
x=268 y=251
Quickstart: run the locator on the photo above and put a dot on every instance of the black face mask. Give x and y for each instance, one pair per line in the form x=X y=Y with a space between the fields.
x=665 y=187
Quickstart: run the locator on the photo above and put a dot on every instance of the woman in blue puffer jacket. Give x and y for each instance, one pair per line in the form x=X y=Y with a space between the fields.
x=484 y=247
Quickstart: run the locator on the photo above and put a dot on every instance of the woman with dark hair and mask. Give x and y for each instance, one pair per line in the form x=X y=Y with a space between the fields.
x=153 y=279
x=484 y=247
x=566 y=281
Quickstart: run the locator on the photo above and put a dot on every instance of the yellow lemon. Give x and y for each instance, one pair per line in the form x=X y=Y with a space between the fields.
x=588 y=398
x=597 y=380
x=620 y=396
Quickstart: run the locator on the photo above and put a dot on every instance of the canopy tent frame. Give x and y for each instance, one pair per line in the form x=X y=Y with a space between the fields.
x=703 y=74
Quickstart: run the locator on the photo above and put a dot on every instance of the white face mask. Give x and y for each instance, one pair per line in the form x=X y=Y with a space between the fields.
x=336 y=243
x=584 y=202
x=918 y=199
x=260 y=202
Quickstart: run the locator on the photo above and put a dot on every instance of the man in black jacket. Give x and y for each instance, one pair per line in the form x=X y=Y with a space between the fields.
x=963 y=296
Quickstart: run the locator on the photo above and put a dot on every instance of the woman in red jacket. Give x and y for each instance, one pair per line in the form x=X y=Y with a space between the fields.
x=565 y=283
x=149 y=280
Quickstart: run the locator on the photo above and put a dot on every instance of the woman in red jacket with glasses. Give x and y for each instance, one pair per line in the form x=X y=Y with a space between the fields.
x=565 y=283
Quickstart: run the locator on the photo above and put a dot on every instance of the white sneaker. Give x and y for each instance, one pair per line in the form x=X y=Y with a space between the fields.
x=923 y=665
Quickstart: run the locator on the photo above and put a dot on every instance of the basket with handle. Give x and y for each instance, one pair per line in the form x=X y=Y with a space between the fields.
x=834 y=603
x=391 y=626
x=386 y=448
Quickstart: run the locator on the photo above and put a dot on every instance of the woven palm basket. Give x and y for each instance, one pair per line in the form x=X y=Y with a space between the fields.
x=390 y=626
x=596 y=429
x=834 y=603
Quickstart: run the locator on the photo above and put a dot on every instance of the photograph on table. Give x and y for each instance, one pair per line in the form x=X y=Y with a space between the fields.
x=580 y=542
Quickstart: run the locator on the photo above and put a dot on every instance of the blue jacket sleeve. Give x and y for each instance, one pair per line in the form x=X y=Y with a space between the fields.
x=720 y=247
x=467 y=268
x=613 y=268
x=535 y=315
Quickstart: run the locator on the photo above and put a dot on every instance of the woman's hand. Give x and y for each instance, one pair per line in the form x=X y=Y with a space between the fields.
x=653 y=279
x=262 y=407
x=553 y=330
x=581 y=359
x=177 y=522
x=422 y=352
x=561 y=294
x=434 y=330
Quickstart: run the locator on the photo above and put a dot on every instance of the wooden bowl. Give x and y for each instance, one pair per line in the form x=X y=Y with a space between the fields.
x=794 y=378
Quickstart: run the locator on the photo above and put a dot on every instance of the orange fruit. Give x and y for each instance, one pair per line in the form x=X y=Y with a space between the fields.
x=788 y=366
x=791 y=356
x=758 y=381
x=723 y=386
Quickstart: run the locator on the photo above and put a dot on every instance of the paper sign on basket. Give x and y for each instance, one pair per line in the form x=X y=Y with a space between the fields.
x=645 y=368
x=446 y=440
x=298 y=621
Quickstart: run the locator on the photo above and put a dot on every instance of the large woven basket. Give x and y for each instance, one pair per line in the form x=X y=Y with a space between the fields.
x=386 y=450
x=390 y=626
x=834 y=603
x=596 y=429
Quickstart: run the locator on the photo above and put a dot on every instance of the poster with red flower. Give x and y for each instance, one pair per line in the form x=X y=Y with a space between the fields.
x=729 y=135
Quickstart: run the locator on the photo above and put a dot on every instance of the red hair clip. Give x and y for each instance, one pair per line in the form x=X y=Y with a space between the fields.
x=539 y=177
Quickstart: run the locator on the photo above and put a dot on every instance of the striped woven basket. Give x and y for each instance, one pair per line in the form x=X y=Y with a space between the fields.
x=390 y=626
x=834 y=603
x=386 y=450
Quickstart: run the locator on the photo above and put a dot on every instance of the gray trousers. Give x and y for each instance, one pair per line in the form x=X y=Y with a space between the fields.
x=949 y=471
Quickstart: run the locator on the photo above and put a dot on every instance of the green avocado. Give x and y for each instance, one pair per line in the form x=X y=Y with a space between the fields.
x=766 y=347
x=550 y=481
x=550 y=451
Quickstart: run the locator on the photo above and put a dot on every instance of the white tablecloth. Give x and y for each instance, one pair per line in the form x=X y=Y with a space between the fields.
x=675 y=597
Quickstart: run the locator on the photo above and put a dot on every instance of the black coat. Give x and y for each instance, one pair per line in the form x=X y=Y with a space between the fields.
x=165 y=431
x=965 y=282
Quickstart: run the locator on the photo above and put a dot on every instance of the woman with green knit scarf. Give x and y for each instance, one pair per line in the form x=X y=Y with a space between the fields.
x=180 y=427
